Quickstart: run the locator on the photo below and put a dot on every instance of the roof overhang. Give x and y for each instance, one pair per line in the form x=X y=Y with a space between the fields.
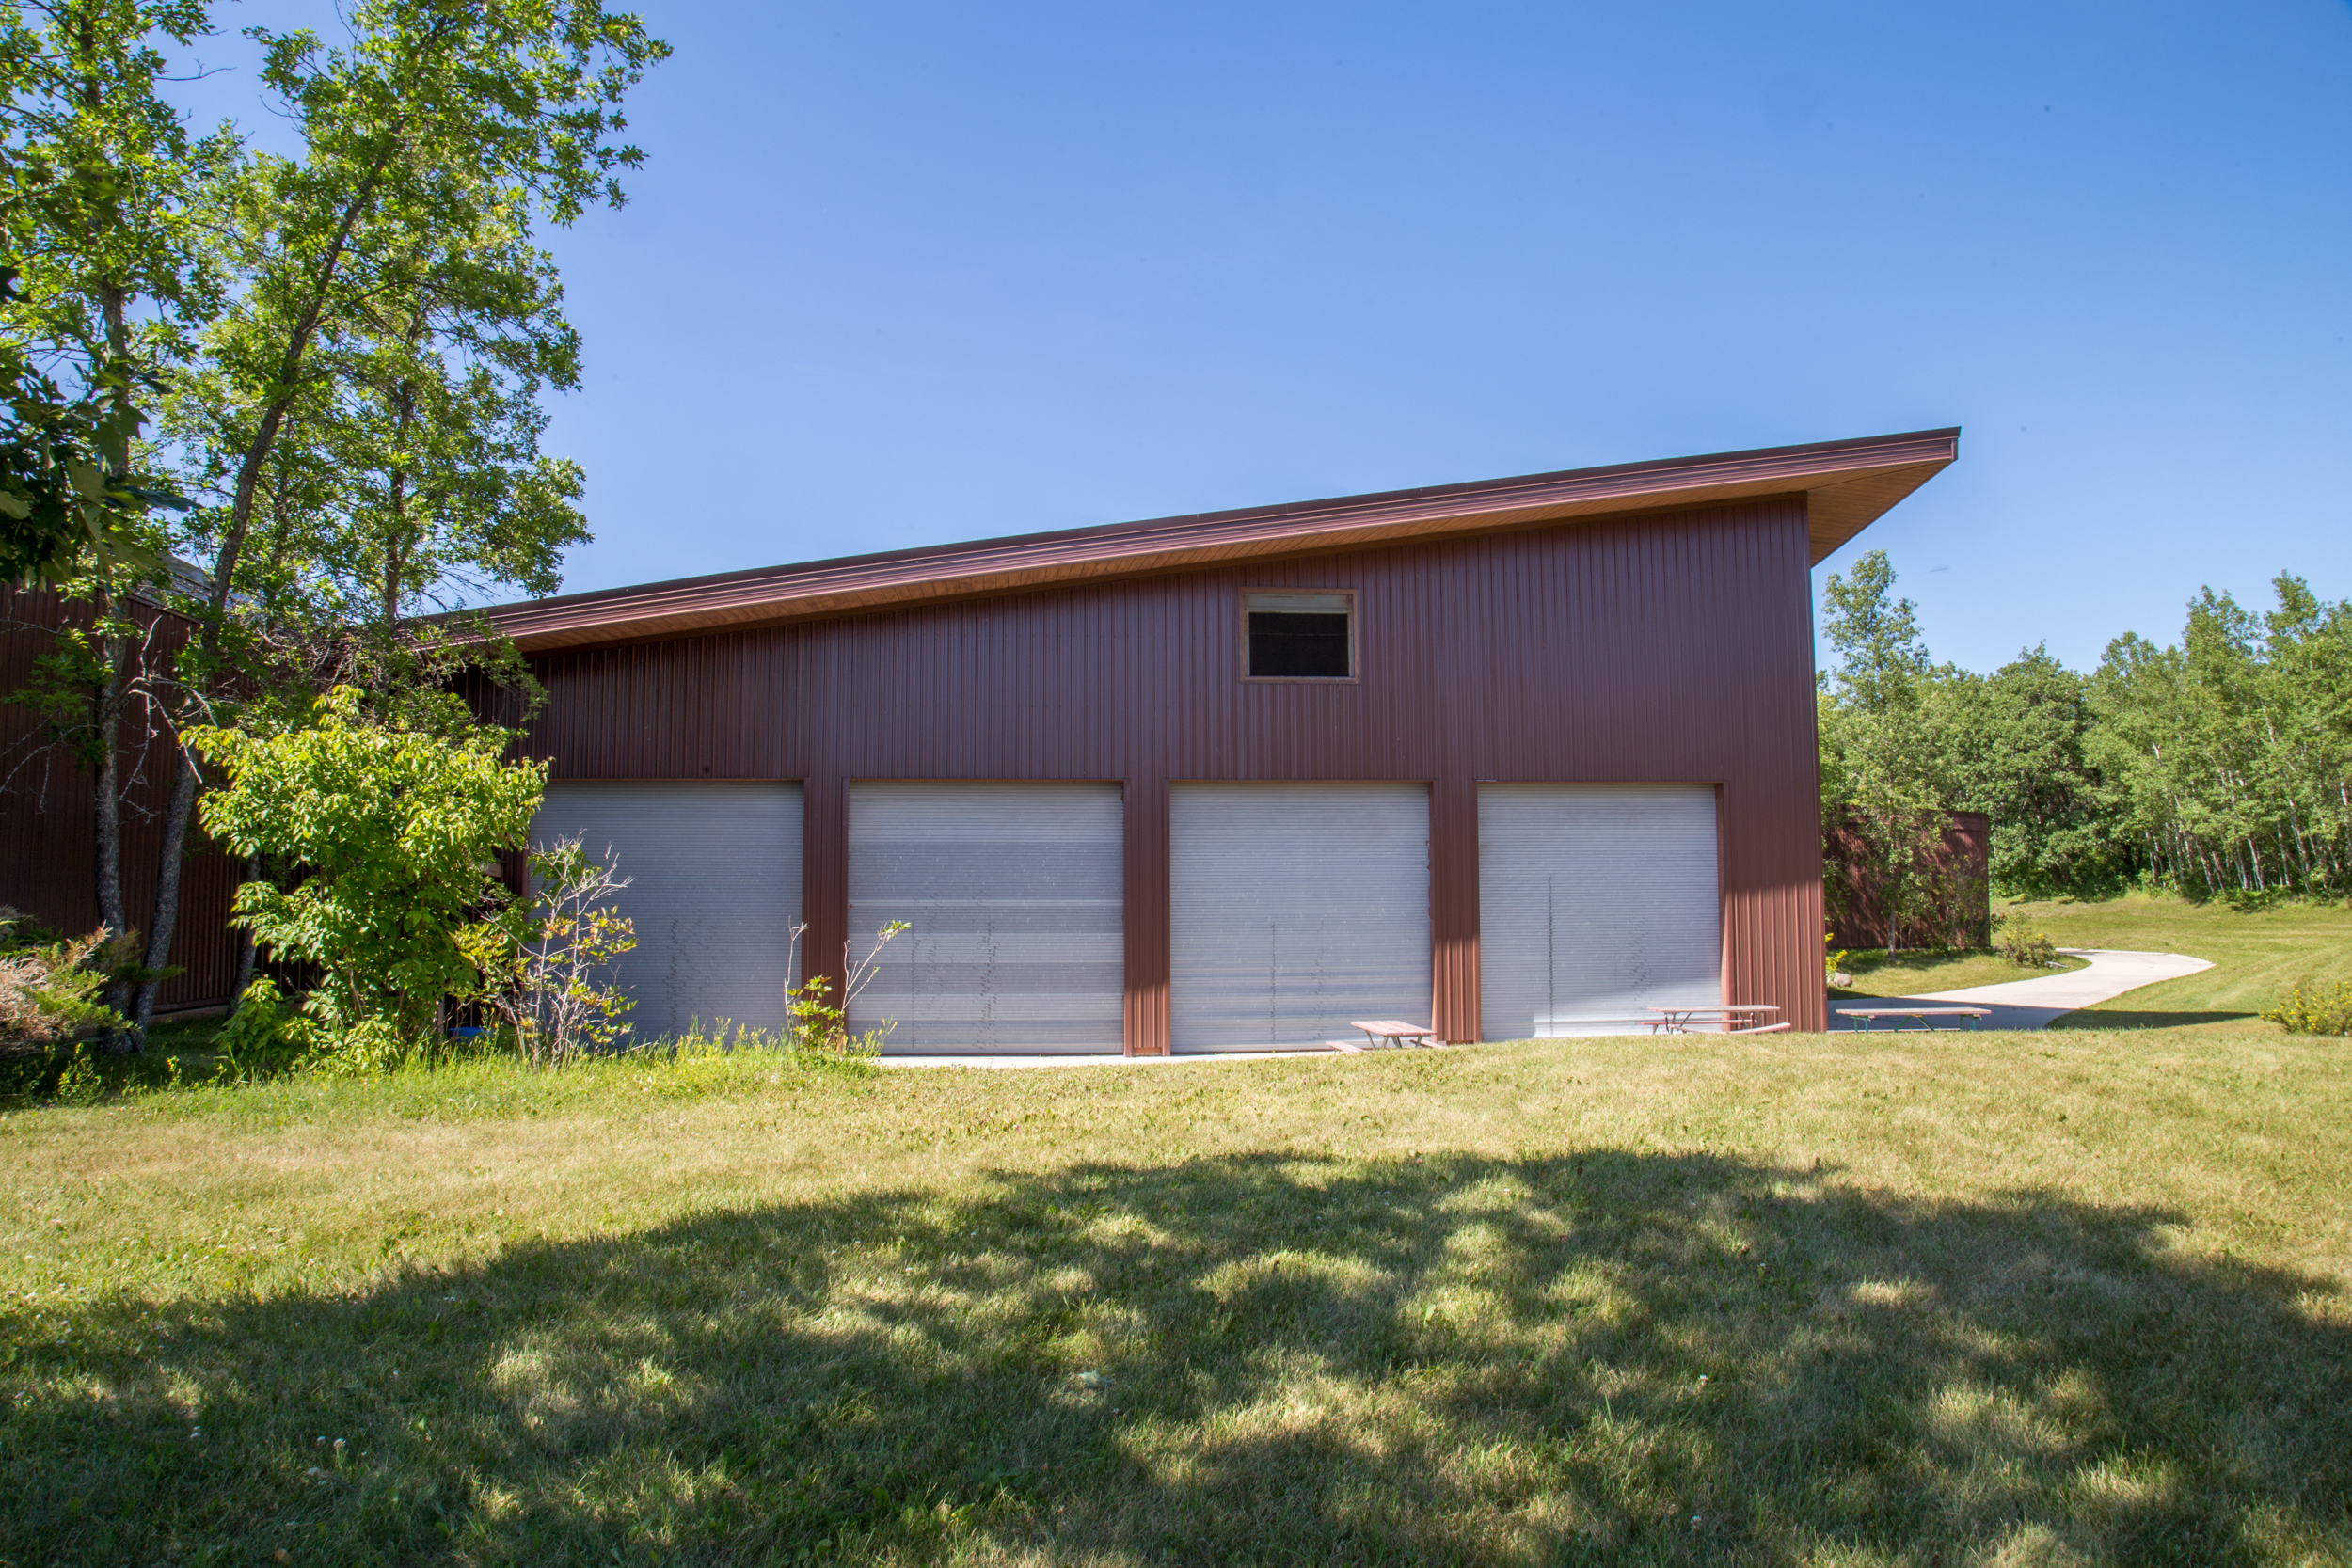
x=1846 y=485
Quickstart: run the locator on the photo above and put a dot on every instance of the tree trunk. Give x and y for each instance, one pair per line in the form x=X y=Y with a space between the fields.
x=166 y=885
x=257 y=456
x=106 y=717
x=244 y=945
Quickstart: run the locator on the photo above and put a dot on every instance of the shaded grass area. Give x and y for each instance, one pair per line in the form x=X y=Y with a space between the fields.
x=2258 y=952
x=1911 y=974
x=1991 y=1298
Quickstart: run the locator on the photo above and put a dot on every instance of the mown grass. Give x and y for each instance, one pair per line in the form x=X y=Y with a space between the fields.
x=2259 y=952
x=1851 y=1300
x=1912 y=974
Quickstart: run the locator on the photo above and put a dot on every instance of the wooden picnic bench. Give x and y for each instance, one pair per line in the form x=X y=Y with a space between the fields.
x=1379 y=1032
x=1747 y=1015
x=1920 y=1017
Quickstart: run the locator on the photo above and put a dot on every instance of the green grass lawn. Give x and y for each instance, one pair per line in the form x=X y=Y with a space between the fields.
x=2258 y=954
x=2000 y=1299
x=1912 y=974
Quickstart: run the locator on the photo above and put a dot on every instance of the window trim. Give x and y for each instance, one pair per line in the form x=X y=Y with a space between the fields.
x=1355 y=638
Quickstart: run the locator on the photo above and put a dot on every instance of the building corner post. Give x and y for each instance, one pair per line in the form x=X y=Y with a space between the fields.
x=1454 y=910
x=1144 y=890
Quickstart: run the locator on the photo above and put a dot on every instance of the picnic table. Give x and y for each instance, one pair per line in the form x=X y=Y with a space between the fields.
x=1748 y=1016
x=1388 y=1032
x=1920 y=1017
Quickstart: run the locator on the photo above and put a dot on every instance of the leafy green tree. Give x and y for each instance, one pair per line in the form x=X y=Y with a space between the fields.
x=396 y=828
x=1882 y=788
x=1882 y=663
x=104 y=281
x=442 y=485
x=396 y=250
x=2230 y=748
x=2014 y=746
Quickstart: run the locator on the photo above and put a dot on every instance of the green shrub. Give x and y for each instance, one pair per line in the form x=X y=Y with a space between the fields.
x=546 y=962
x=49 y=989
x=264 y=1037
x=2313 y=1009
x=395 y=825
x=2028 y=949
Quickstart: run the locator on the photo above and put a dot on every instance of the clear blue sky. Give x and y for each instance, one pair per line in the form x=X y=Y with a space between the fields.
x=902 y=273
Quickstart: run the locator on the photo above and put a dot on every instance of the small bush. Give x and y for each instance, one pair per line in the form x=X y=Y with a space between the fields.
x=545 y=964
x=2028 y=949
x=49 y=990
x=265 y=1038
x=2315 y=1009
x=363 y=1049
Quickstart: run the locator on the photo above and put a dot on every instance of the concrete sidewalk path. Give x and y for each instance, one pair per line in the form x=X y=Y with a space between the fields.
x=2032 y=1003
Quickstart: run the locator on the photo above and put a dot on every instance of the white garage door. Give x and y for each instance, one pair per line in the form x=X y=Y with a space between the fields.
x=1012 y=893
x=1594 y=901
x=714 y=892
x=1295 y=909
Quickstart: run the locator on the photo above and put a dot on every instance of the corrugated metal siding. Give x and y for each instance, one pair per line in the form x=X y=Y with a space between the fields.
x=48 y=820
x=714 y=892
x=1596 y=901
x=1676 y=647
x=1012 y=893
x=1294 y=910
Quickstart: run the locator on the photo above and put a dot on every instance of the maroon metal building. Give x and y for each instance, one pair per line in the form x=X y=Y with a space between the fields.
x=48 y=812
x=1522 y=756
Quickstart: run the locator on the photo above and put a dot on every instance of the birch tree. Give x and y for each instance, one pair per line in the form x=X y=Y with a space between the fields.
x=435 y=143
x=103 y=283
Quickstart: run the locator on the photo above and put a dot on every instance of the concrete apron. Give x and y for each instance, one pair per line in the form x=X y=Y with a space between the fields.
x=2015 y=1004
x=2032 y=1003
x=1105 y=1059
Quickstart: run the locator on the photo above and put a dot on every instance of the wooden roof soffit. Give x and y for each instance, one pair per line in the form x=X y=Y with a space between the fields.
x=1847 y=486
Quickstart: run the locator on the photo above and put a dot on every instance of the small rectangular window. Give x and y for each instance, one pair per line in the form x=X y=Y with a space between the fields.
x=1300 y=636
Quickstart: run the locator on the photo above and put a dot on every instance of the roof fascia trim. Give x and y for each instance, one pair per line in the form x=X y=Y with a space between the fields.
x=1848 y=484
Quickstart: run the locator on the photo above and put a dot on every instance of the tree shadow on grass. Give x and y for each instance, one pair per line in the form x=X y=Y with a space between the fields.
x=1616 y=1357
x=2143 y=1018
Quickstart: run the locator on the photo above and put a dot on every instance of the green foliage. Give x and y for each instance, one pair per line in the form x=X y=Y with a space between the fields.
x=2315 y=1009
x=51 y=990
x=94 y=167
x=367 y=411
x=2220 y=766
x=263 y=1037
x=2233 y=750
x=1882 y=790
x=395 y=827
x=68 y=489
x=359 y=411
x=2017 y=741
x=2027 y=949
x=818 y=1026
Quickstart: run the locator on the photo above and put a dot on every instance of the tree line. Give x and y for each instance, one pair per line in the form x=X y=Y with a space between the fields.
x=2215 y=766
x=295 y=393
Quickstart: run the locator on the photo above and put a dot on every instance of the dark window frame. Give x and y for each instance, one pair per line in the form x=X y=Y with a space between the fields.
x=1355 y=639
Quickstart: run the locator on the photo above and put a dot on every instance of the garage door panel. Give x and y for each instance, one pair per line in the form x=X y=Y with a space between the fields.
x=1029 y=922
x=1033 y=950
x=1295 y=909
x=714 y=892
x=1040 y=873
x=1013 y=894
x=1597 y=902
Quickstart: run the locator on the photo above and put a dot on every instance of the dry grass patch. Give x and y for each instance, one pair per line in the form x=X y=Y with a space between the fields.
x=1999 y=1298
